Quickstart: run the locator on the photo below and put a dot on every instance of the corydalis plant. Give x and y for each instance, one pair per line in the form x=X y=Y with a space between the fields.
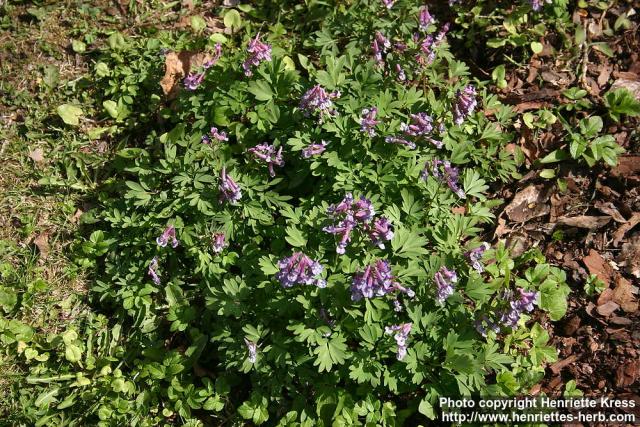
x=258 y=52
x=168 y=235
x=350 y=214
x=400 y=334
x=218 y=242
x=312 y=150
x=465 y=104
x=229 y=190
x=474 y=256
x=317 y=100
x=376 y=280
x=445 y=280
x=268 y=154
x=443 y=171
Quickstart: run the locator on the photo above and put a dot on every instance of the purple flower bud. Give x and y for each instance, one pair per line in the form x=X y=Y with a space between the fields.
x=268 y=154
x=518 y=304
x=465 y=104
x=300 y=269
x=229 y=190
x=445 y=280
x=443 y=32
x=317 y=99
x=400 y=141
x=397 y=306
x=400 y=334
x=193 y=80
x=153 y=266
x=218 y=242
x=258 y=52
x=475 y=256
x=379 y=46
x=206 y=139
x=368 y=121
x=252 y=348
x=168 y=234
x=343 y=207
x=421 y=125
x=380 y=231
x=314 y=149
x=220 y=136
x=388 y=3
x=401 y=75
x=363 y=210
x=344 y=229
x=537 y=4
x=425 y=18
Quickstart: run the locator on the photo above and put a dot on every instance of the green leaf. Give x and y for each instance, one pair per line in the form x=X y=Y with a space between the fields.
x=70 y=114
x=408 y=244
x=261 y=90
x=78 y=46
x=198 y=23
x=73 y=353
x=555 y=156
x=232 y=19
x=330 y=353
x=536 y=47
x=295 y=237
x=426 y=409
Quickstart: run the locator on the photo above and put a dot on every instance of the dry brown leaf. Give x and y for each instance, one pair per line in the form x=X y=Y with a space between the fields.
x=560 y=364
x=37 y=155
x=627 y=166
x=598 y=266
x=528 y=203
x=630 y=256
x=607 y=309
x=177 y=66
x=603 y=77
x=610 y=209
x=585 y=221
x=42 y=243
x=605 y=296
x=628 y=373
x=623 y=295
x=624 y=229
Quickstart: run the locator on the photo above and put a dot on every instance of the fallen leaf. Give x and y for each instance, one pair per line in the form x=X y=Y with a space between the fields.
x=627 y=166
x=623 y=295
x=604 y=75
x=37 y=155
x=42 y=243
x=605 y=296
x=623 y=229
x=528 y=203
x=630 y=256
x=609 y=209
x=607 y=309
x=628 y=373
x=585 y=221
x=598 y=266
x=560 y=364
x=177 y=66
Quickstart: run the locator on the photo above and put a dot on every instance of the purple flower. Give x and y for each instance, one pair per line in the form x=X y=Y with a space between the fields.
x=193 y=80
x=475 y=256
x=465 y=104
x=400 y=141
x=400 y=334
x=388 y=3
x=344 y=229
x=218 y=242
x=427 y=51
x=401 y=75
x=229 y=190
x=537 y=4
x=268 y=154
x=216 y=56
x=317 y=99
x=518 y=304
x=445 y=280
x=421 y=125
x=376 y=280
x=443 y=171
x=380 y=231
x=314 y=149
x=368 y=121
x=379 y=46
x=220 y=136
x=252 y=348
x=397 y=306
x=258 y=52
x=300 y=269
x=482 y=329
x=206 y=139
x=168 y=234
x=425 y=18
x=363 y=210
x=343 y=207
x=152 y=271
x=443 y=32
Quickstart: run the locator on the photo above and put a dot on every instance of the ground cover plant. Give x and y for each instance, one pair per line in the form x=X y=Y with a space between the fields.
x=292 y=222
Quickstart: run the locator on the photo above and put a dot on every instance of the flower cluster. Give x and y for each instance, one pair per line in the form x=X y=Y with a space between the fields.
x=218 y=242
x=350 y=214
x=519 y=303
x=465 y=104
x=314 y=149
x=215 y=134
x=444 y=172
x=475 y=256
x=400 y=334
x=445 y=280
x=268 y=154
x=425 y=19
x=317 y=99
x=229 y=190
x=368 y=121
x=169 y=234
x=376 y=281
x=400 y=141
x=258 y=52
x=153 y=266
x=379 y=46
x=537 y=4
x=388 y=3
x=428 y=46
x=300 y=269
